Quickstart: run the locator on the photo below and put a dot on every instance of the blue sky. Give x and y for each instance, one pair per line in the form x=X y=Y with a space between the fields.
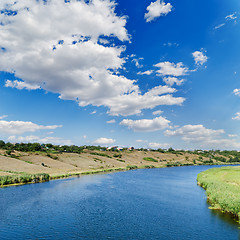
x=153 y=74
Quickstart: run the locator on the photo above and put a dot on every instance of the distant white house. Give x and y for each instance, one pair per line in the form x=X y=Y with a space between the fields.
x=131 y=148
x=114 y=148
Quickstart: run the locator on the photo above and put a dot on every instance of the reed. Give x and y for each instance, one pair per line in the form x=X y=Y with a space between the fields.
x=222 y=187
x=150 y=159
x=24 y=178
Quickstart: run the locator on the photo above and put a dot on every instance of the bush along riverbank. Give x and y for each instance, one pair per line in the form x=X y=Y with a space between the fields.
x=222 y=187
x=23 y=179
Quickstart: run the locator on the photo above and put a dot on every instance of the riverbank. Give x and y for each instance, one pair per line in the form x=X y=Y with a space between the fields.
x=57 y=165
x=222 y=187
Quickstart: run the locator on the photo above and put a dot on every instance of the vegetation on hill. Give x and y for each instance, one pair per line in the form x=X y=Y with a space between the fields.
x=150 y=159
x=24 y=178
x=56 y=160
x=222 y=188
x=218 y=155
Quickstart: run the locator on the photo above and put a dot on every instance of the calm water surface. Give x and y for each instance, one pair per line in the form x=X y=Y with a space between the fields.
x=140 y=204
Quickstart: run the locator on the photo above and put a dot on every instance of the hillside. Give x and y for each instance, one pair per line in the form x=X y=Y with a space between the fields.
x=96 y=159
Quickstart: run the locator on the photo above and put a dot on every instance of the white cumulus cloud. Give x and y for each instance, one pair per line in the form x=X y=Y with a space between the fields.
x=173 y=80
x=204 y=137
x=194 y=133
x=21 y=85
x=68 y=48
x=31 y=138
x=104 y=141
x=146 y=125
x=141 y=141
x=157 y=9
x=171 y=69
x=155 y=145
x=237 y=116
x=236 y=92
x=148 y=72
x=133 y=103
x=159 y=112
x=4 y=116
x=111 y=121
x=94 y=112
x=137 y=62
x=19 y=127
x=232 y=135
x=199 y=57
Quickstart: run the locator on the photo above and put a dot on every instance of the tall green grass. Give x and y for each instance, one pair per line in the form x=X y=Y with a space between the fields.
x=150 y=159
x=222 y=188
x=24 y=178
x=100 y=154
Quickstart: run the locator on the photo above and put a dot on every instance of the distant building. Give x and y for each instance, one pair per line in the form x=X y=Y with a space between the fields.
x=131 y=148
x=114 y=148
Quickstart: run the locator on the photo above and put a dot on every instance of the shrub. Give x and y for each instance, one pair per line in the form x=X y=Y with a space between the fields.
x=100 y=154
x=24 y=178
x=131 y=167
x=149 y=166
x=150 y=159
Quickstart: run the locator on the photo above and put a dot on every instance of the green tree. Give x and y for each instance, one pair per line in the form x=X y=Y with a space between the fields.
x=2 y=144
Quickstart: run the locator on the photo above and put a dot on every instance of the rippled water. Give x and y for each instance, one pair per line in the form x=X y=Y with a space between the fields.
x=140 y=204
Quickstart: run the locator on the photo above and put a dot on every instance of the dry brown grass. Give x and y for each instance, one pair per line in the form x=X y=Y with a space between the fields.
x=67 y=163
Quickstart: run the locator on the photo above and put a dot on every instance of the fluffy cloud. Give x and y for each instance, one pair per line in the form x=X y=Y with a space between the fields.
x=104 y=141
x=111 y=121
x=205 y=138
x=173 y=80
x=157 y=9
x=21 y=85
x=69 y=48
x=148 y=72
x=158 y=145
x=222 y=144
x=232 y=135
x=237 y=116
x=94 y=112
x=4 y=116
x=141 y=141
x=133 y=103
x=171 y=69
x=236 y=92
x=19 y=127
x=146 y=125
x=194 y=133
x=159 y=112
x=199 y=57
x=136 y=61
x=31 y=138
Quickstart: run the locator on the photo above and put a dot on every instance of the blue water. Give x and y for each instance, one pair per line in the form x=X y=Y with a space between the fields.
x=140 y=204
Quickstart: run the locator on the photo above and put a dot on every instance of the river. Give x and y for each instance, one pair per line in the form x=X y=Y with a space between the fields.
x=140 y=204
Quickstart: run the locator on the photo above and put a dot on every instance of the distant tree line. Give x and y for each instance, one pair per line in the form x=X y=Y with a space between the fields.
x=35 y=147
x=226 y=156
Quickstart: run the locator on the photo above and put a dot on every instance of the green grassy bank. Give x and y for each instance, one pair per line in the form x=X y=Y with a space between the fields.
x=222 y=187
x=23 y=179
